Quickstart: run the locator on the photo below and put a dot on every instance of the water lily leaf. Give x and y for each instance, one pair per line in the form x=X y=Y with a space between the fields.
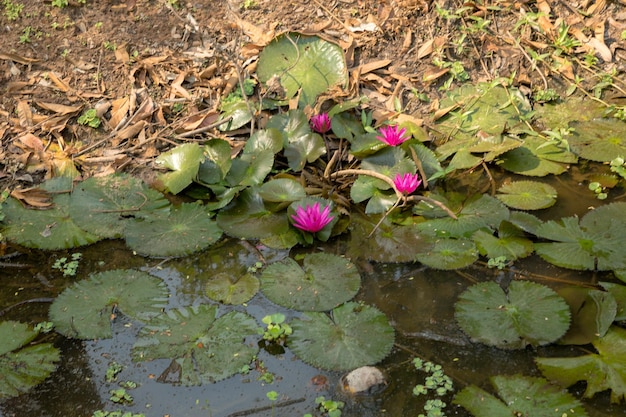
x=600 y=140
x=593 y=312
x=389 y=242
x=449 y=254
x=248 y=218
x=250 y=169
x=229 y=289
x=184 y=161
x=185 y=229
x=282 y=190
x=239 y=114
x=354 y=335
x=428 y=159
x=23 y=365
x=50 y=229
x=525 y=221
x=85 y=309
x=598 y=242
x=619 y=293
x=520 y=396
x=217 y=162
x=305 y=63
x=510 y=243
x=527 y=195
x=104 y=205
x=601 y=371
x=528 y=314
x=322 y=282
x=558 y=115
x=204 y=348
x=537 y=158
x=485 y=211
x=261 y=140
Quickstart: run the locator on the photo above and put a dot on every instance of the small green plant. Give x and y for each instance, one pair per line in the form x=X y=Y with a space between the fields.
x=497 y=262
x=249 y=4
x=599 y=190
x=618 y=165
x=25 y=36
x=60 y=3
x=120 y=396
x=328 y=408
x=101 y=413
x=112 y=371
x=437 y=383
x=12 y=10
x=236 y=95
x=44 y=327
x=68 y=267
x=254 y=268
x=111 y=46
x=545 y=96
x=90 y=118
x=272 y=396
x=277 y=330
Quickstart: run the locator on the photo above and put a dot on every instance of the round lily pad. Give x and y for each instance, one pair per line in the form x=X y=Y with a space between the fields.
x=528 y=314
x=600 y=140
x=527 y=195
x=104 y=205
x=85 y=309
x=228 y=289
x=185 y=229
x=354 y=335
x=323 y=282
x=449 y=254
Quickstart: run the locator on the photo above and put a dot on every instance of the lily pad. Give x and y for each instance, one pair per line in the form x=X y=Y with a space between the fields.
x=282 y=190
x=600 y=140
x=183 y=161
x=228 y=289
x=619 y=293
x=520 y=396
x=354 y=335
x=22 y=364
x=527 y=195
x=185 y=229
x=104 y=205
x=85 y=309
x=306 y=63
x=537 y=158
x=601 y=371
x=204 y=348
x=593 y=312
x=528 y=314
x=449 y=254
x=250 y=168
x=51 y=229
x=217 y=163
x=510 y=243
x=323 y=282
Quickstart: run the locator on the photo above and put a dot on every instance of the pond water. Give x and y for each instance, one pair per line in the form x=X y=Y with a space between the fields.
x=418 y=302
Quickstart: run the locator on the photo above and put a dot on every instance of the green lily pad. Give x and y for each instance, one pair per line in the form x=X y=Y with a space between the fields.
x=282 y=190
x=354 y=335
x=104 y=205
x=449 y=254
x=248 y=218
x=520 y=396
x=50 y=229
x=618 y=292
x=593 y=312
x=228 y=289
x=204 y=348
x=323 y=282
x=528 y=314
x=239 y=114
x=264 y=139
x=85 y=309
x=527 y=195
x=250 y=168
x=217 y=162
x=510 y=243
x=600 y=140
x=537 y=158
x=601 y=371
x=306 y=63
x=558 y=115
x=22 y=364
x=184 y=162
x=597 y=242
x=186 y=229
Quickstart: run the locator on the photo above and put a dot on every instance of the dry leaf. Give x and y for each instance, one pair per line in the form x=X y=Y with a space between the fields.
x=32 y=142
x=59 y=108
x=35 y=197
x=24 y=113
x=426 y=49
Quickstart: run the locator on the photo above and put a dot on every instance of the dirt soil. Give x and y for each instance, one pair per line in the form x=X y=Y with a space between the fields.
x=155 y=71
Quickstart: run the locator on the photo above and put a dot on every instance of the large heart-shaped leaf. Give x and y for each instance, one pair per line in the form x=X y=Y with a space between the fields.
x=183 y=161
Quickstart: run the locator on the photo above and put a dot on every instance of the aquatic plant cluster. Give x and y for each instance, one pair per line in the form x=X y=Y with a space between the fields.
x=395 y=191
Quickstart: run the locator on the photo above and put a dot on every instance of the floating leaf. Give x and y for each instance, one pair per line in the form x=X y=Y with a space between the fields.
x=521 y=396
x=510 y=243
x=282 y=190
x=21 y=366
x=228 y=289
x=537 y=158
x=204 y=348
x=217 y=163
x=528 y=314
x=449 y=254
x=601 y=371
x=557 y=115
x=104 y=205
x=238 y=112
x=50 y=229
x=85 y=309
x=185 y=229
x=600 y=140
x=323 y=282
x=593 y=312
x=527 y=195
x=619 y=293
x=184 y=161
x=305 y=63
x=354 y=335
x=250 y=169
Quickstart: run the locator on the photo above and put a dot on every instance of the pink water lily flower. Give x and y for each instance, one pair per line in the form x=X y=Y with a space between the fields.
x=320 y=123
x=312 y=218
x=407 y=183
x=392 y=135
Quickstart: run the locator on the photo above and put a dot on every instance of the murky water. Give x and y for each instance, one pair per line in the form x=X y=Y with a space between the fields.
x=418 y=301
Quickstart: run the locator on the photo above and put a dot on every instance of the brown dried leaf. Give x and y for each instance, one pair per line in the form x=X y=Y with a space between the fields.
x=426 y=49
x=24 y=113
x=35 y=197
x=131 y=131
x=119 y=110
x=61 y=85
x=432 y=73
x=59 y=108
x=121 y=55
x=18 y=58
x=32 y=142
x=373 y=66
